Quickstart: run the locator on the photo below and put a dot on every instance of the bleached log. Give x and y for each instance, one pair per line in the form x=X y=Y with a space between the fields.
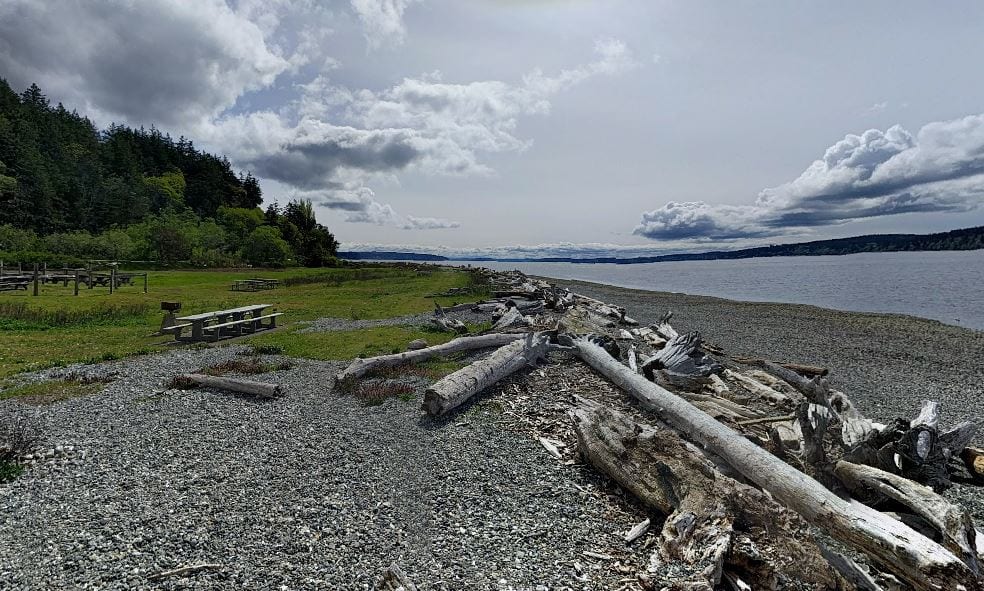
x=360 y=367
x=808 y=371
x=454 y=389
x=444 y=322
x=550 y=447
x=710 y=516
x=953 y=523
x=264 y=389
x=663 y=328
x=815 y=390
x=851 y=571
x=511 y=319
x=895 y=547
x=757 y=388
x=633 y=365
x=718 y=385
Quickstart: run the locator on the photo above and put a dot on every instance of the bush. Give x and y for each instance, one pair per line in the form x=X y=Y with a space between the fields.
x=266 y=247
x=19 y=435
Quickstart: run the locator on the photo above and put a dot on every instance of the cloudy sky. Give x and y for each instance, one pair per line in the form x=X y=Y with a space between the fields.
x=591 y=126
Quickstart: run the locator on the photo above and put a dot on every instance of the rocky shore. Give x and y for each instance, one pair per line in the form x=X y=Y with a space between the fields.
x=317 y=490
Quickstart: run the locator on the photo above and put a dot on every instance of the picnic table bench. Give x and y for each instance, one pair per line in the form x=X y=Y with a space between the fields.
x=14 y=283
x=254 y=284
x=224 y=323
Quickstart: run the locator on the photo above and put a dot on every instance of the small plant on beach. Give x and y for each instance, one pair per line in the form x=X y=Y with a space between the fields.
x=19 y=435
x=264 y=350
x=249 y=366
x=374 y=393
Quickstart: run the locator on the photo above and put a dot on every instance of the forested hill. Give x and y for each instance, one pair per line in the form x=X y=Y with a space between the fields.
x=70 y=191
x=61 y=173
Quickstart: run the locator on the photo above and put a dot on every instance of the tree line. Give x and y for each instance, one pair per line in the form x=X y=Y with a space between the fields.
x=71 y=192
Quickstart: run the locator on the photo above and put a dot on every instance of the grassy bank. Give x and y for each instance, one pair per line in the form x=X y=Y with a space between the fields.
x=57 y=328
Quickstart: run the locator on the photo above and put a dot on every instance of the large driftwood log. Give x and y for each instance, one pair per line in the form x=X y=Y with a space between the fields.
x=452 y=390
x=895 y=547
x=953 y=523
x=230 y=384
x=513 y=318
x=713 y=520
x=682 y=355
x=360 y=367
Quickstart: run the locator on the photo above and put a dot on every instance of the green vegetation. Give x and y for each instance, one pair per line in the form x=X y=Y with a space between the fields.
x=57 y=328
x=70 y=193
x=249 y=366
x=51 y=391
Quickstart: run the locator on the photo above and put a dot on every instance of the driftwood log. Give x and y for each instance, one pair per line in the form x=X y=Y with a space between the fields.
x=361 y=367
x=264 y=389
x=453 y=389
x=714 y=523
x=445 y=322
x=895 y=547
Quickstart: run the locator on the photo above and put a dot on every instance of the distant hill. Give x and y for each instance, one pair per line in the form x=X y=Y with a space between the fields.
x=966 y=239
x=389 y=256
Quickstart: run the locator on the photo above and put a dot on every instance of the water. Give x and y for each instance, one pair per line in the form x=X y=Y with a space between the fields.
x=946 y=286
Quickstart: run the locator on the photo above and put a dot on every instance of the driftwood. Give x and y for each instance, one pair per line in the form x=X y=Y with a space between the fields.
x=809 y=371
x=446 y=323
x=681 y=355
x=454 y=389
x=394 y=579
x=712 y=520
x=757 y=388
x=897 y=548
x=360 y=367
x=230 y=384
x=952 y=523
x=974 y=459
x=513 y=318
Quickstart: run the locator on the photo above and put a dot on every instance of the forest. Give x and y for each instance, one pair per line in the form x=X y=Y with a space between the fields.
x=70 y=192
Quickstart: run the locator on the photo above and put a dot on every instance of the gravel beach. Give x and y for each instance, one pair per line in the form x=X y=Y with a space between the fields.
x=317 y=490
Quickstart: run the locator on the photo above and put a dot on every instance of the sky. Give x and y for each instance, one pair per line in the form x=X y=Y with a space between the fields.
x=547 y=127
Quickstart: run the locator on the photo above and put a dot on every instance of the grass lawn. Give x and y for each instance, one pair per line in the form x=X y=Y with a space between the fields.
x=57 y=328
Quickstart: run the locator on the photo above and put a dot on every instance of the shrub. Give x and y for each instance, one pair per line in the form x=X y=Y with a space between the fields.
x=19 y=435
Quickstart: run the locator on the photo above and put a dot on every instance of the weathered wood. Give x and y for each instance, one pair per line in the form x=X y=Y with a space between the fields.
x=360 y=367
x=681 y=356
x=513 y=318
x=973 y=457
x=809 y=371
x=711 y=517
x=953 y=523
x=184 y=570
x=232 y=384
x=895 y=547
x=454 y=389
x=757 y=388
x=815 y=390
x=394 y=579
x=446 y=323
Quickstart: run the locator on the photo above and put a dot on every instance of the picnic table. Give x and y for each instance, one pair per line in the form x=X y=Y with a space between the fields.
x=254 y=284
x=12 y=283
x=224 y=323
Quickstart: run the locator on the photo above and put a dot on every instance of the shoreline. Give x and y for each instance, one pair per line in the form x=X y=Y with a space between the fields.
x=888 y=362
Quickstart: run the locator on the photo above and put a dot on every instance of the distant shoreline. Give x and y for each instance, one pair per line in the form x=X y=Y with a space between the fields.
x=964 y=239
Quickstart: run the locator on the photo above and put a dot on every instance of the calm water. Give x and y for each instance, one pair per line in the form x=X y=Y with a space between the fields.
x=945 y=286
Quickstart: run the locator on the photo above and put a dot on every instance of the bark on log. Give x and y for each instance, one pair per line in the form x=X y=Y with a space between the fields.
x=711 y=517
x=953 y=523
x=360 y=367
x=454 y=389
x=231 y=384
x=897 y=548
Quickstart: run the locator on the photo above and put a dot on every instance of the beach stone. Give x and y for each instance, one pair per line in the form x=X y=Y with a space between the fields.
x=417 y=344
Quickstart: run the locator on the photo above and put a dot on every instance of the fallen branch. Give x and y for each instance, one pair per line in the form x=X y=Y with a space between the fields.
x=360 y=367
x=454 y=389
x=894 y=546
x=197 y=380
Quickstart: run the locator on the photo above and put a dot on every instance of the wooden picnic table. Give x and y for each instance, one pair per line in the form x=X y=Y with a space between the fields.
x=254 y=284
x=245 y=316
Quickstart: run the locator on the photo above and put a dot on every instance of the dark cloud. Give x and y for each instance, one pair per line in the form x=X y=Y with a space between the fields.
x=166 y=63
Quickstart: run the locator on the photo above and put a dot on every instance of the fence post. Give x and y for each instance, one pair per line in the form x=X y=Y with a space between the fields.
x=76 y=282
x=35 y=279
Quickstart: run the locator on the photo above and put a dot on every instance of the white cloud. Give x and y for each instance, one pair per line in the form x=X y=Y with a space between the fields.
x=415 y=223
x=382 y=20
x=875 y=174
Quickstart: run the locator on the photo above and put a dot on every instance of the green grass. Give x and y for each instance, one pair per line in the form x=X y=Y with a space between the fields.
x=51 y=391
x=9 y=470
x=57 y=328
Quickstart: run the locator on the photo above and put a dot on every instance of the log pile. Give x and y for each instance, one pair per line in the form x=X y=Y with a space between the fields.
x=741 y=459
